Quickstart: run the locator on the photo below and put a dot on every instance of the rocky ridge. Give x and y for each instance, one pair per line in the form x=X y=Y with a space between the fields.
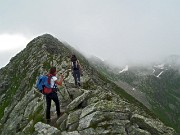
x=93 y=109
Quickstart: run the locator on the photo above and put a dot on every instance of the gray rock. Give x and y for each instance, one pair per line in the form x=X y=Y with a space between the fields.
x=91 y=120
x=74 y=92
x=73 y=127
x=28 y=127
x=63 y=126
x=70 y=133
x=32 y=106
x=77 y=101
x=105 y=106
x=45 y=129
x=151 y=125
x=73 y=118
x=113 y=122
x=61 y=119
x=88 y=131
x=134 y=130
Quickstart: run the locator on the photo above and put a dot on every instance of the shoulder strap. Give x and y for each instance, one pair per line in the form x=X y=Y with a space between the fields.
x=49 y=78
x=76 y=64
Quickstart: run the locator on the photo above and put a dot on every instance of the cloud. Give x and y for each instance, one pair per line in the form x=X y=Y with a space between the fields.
x=11 y=42
x=10 y=45
x=117 y=31
x=5 y=56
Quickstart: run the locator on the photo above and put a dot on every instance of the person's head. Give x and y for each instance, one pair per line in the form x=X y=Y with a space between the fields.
x=73 y=57
x=53 y=71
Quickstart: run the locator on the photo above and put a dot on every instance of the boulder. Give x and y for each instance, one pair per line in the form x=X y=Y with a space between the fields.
x=151 y=125
x=45 y=129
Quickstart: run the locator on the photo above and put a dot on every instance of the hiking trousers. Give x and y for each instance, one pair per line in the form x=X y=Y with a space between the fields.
x=76 y=75
x=52 y=96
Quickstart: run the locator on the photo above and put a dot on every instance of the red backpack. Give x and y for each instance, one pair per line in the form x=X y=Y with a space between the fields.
x=47 y=88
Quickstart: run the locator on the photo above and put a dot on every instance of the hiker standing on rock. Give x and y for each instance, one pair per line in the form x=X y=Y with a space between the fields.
x=76 y=70
x=53 y=95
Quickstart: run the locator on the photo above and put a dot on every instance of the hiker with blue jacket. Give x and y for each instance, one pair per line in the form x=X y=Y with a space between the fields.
x=53 y=95
x=76 y=70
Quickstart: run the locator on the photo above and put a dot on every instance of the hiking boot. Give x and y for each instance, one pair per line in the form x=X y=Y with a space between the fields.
x=79 y=84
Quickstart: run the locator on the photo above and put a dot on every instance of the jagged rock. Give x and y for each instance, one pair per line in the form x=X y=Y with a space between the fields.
x=77 y=101
x=2 y=97
x=63 y=125
x=153 y=126
x=73 y=120
x=134 y=130
x=28 y=128
x=75 y=92
x=113 y=122
x=73 y=126
x=91 y=120
x=106 y=106
x=115 y=129
x=92 y=100
x=32 y=106
x=17 y=115
x=70 y=133
x=45 y=129
x=61 y=119
x=88 y=131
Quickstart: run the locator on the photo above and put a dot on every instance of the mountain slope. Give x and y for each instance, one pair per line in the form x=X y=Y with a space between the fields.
x=99 y=107
x=157 y=87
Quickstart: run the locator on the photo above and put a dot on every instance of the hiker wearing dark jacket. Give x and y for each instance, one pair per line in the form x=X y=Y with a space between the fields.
x=53 y=96
x=76 y=70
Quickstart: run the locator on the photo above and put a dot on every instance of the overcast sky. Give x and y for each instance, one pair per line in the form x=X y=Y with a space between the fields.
x=119 y=31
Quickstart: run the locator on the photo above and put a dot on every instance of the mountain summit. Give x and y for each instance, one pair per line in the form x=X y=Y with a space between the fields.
x=99 y=107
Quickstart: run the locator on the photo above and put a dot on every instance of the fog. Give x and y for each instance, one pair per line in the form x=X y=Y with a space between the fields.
x=118 y=31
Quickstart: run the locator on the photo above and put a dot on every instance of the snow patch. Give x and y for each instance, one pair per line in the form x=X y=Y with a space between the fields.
x=125 y=69
x=160 y=74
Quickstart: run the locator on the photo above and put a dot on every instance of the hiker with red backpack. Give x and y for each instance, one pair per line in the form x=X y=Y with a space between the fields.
x=76 y=70
x=53 y=81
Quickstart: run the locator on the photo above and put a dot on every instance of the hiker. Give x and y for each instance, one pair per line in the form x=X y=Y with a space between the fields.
x=76 y=70
x=53 y=95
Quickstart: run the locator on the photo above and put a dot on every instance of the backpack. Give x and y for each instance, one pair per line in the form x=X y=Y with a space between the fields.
x=75 y=65
x=42 y=84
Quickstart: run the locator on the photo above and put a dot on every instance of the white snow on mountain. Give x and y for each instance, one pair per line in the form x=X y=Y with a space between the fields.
x=160 y=74
x=133 y=89
x=124 y=70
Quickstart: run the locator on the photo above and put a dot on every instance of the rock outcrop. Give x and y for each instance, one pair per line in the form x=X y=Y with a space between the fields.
x=94 y=109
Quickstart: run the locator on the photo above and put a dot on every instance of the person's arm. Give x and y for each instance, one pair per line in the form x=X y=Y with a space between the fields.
x=60 y=81
x=70 y=65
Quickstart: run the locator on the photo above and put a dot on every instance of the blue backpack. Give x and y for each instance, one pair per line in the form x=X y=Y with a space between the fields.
x=42 y=84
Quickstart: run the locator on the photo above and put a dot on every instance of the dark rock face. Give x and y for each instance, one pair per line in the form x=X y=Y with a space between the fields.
x=93 y=109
